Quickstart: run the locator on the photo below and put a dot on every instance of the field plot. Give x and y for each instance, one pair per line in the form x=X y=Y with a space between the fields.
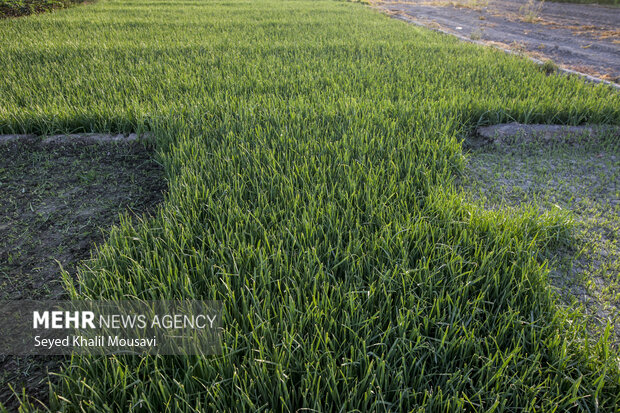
x=312 y=150
x=581 y=37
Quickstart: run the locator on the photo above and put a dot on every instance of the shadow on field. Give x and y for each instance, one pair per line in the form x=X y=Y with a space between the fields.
x=57 y=203
x=561 y=169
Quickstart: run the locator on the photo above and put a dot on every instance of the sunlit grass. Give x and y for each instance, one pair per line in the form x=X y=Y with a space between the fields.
x=310 y=148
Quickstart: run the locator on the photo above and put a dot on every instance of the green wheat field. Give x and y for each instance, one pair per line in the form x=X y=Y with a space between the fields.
x=310 y=150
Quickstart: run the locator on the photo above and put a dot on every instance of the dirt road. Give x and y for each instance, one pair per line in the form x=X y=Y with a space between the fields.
x=580 y=37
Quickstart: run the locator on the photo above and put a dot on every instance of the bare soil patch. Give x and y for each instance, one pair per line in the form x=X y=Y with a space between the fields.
x=577 y=174
x=580 y=37
x=58 y=200
x=18 y=8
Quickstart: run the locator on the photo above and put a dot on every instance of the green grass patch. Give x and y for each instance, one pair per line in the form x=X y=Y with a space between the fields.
x=311 y=148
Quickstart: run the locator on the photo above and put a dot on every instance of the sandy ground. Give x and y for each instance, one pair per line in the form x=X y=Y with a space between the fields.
x=580 y=37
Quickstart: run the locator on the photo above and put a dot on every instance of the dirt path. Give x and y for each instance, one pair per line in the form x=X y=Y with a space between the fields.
x=580 y=37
